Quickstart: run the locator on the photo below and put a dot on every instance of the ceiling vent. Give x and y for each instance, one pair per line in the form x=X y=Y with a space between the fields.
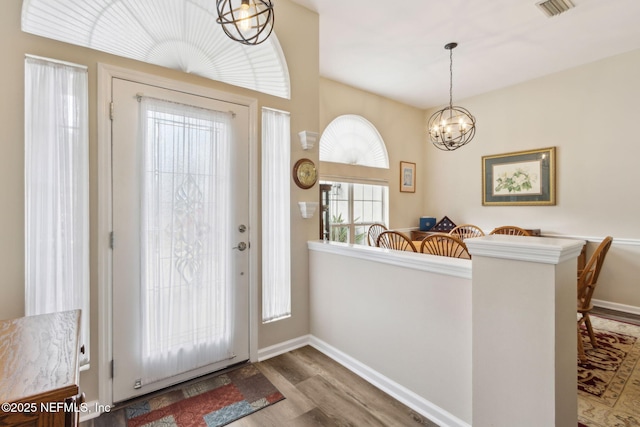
x=555 y=7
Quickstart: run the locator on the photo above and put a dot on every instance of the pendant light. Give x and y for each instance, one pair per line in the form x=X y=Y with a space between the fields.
x=249 y=22
x=452 y=127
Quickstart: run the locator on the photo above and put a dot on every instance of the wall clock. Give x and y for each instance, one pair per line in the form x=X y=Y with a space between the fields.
x=305 y=174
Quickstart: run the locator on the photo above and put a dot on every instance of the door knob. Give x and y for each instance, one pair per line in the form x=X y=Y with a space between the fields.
x=241 y=246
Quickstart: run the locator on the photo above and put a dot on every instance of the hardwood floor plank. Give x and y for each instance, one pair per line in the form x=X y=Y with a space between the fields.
x=275 y=415
x=291 y=367
x=385 y=407
x=338 y=406
x=294 y=405
x=634 y=319
x=313 y=418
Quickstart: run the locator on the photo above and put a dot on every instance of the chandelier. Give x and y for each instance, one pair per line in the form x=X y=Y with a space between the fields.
x=249 y=22
x=452 y=127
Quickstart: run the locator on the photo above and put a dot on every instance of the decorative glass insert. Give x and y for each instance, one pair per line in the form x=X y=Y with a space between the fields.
x=186 y=244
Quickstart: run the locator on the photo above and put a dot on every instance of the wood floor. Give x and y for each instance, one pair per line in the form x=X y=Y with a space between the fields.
x=321 y=392
x=318 y=392
x=617 y=315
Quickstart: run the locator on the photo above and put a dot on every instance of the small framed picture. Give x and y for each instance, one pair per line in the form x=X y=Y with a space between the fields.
x=407 y=177
x=520 y=178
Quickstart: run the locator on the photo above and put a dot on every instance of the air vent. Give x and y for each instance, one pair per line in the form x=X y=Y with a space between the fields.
x=555 y=7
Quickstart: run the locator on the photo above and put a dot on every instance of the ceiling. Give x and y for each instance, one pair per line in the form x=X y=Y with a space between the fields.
x=396 y=49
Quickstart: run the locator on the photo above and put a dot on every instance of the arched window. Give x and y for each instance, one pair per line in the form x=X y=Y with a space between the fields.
x=182 y=35
x=353 y=140
x=351 y=205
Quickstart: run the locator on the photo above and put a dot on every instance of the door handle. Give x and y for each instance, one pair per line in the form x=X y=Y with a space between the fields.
x=241 y=246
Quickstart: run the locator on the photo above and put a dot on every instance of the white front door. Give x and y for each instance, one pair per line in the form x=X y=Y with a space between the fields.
x=180 y=230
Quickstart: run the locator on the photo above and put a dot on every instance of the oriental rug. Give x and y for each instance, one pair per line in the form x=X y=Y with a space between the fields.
x=609 y=381
x=212 y=402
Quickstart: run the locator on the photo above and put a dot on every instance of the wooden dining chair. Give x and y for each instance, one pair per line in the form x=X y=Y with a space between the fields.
x=374 y=232
x=466 y=231
x=395 y=240
x=587 y=282
x=511 y=230
x=444 y=245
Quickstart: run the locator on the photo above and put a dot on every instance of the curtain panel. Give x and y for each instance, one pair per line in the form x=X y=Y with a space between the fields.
x=57 y=190
x=276 y=215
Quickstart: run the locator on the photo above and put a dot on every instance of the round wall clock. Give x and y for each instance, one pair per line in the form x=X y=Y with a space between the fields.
x=304 y=173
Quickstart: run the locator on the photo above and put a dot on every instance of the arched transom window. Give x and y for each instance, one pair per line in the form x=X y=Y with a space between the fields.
x=353 y=140
x=352 y=205
x=178 y=34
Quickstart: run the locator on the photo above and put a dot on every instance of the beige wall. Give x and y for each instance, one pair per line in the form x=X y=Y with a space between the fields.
x=293 y=24
x=589 y=113
x=399 y=126
x=404 y=318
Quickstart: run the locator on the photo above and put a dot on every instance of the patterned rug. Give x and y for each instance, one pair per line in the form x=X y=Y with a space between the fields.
x=609 y=382
x=212 y=402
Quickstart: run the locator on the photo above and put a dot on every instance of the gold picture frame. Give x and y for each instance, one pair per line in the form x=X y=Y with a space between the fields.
x=407 y=177
x=520 y=178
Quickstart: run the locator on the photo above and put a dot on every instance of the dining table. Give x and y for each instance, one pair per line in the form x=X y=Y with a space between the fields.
x=418 y=243
x=418 y=236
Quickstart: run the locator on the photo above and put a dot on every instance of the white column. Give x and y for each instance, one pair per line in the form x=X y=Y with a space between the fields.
x=524 y=331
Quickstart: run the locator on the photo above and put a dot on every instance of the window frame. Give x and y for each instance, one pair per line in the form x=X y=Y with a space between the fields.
x=350 y=223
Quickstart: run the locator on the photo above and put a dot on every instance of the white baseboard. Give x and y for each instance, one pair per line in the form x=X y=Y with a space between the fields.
x=616 y=306
x=283 y=347
x=397 y=391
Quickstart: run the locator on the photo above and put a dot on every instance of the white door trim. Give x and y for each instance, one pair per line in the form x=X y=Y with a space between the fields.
x=105 y=279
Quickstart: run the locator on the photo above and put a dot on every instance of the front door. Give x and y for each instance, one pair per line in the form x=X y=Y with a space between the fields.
x=180 y=249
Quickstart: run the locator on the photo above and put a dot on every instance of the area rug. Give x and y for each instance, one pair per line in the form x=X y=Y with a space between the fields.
x=212 y=402
x=609 y=381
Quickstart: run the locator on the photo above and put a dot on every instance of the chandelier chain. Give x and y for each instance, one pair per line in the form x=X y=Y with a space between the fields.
x=450 y=77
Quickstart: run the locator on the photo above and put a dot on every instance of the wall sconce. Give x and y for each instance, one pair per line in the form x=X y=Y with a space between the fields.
x=307 y=209
x=307 y=139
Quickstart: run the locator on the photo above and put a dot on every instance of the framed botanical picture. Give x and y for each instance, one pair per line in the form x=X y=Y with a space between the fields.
x=520 y=178
x=407 y=177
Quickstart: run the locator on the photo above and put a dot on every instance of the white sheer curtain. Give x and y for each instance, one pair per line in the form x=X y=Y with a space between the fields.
x=185 y=238
x=276 y=216
x=57 y=190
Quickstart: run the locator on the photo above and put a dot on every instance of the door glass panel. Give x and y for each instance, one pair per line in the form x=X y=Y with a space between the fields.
x=185 y=238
